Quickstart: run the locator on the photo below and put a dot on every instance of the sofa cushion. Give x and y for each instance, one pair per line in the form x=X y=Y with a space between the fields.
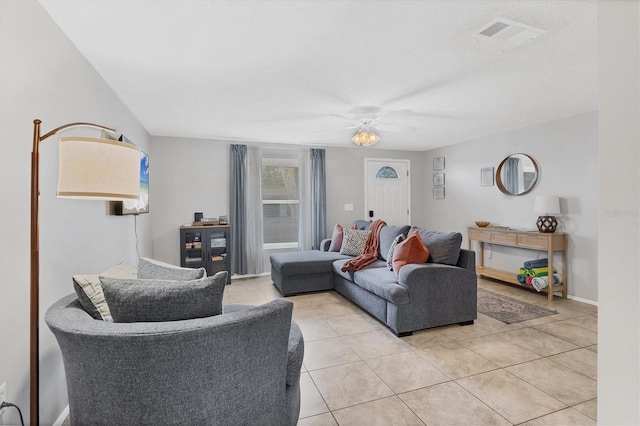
x=376 y=279
x=89 y=290
x=387 y=235
x=151 y=300
x=354 y=242
x=336 y=238
x=154 y=269
x=395 y=242
x=444 y=247
x=361 y=224
x=411 y=250
x=304 y=262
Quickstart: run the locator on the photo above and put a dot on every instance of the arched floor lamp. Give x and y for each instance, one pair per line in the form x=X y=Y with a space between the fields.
x=90 y=168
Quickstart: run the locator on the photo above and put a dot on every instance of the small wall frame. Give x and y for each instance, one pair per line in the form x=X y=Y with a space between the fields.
x=438 y=179
x=438 y=163
x=486 y=176
x=438 y=192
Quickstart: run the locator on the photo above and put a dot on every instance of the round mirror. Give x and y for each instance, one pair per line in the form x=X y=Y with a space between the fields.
x=517 y=174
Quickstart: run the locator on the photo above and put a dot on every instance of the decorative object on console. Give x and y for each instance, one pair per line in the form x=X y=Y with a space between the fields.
x=482 y=224
x=486 y=176
x=549 y=205
x=89 y=168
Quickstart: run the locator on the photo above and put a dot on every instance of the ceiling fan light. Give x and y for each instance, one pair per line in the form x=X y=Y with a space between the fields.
x=364 y=138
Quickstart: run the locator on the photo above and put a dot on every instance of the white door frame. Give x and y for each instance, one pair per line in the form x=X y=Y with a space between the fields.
x=366 y=189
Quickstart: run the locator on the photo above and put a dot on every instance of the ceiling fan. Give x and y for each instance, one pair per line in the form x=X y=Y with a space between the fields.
x=368 y=121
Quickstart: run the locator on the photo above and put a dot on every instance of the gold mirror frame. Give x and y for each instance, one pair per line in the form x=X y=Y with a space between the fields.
x=501 y=184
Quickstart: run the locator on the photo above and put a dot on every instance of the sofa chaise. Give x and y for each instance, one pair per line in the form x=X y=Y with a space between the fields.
x=441 y=291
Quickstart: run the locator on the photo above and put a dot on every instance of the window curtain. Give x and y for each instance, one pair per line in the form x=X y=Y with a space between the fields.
x=253 y=218
x=304 y=185
x=318 y=197
x=511 y=175
x=237 y=207
x=245 y=210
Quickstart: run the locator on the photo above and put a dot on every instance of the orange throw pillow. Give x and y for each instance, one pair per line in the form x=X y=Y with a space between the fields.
x=411 y=250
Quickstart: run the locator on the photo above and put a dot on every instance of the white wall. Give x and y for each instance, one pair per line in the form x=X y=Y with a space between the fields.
x=42 y=75
x=193 y=175
x=619 y=230
x=567 y=155
x=345 y=183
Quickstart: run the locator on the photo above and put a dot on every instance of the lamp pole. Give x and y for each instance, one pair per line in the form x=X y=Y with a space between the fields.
x=34 y=317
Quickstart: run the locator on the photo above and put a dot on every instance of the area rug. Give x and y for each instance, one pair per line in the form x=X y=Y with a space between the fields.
x=508 y=310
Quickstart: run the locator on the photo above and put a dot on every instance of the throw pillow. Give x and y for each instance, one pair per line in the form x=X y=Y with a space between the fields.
x=387 y=235
x=444 y=247
x=353 y=242
x=89 y=290
x=150 y=300
x=336 y=238
x=395 y=242
x=154 y=269
x=411 y=250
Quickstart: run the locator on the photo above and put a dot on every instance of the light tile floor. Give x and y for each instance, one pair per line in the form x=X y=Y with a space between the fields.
x=356 y=372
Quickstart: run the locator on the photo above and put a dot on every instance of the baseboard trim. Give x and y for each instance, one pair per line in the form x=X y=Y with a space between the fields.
x=62 y=417
x=580 y=299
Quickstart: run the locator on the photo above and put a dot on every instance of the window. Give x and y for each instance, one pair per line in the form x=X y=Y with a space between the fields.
x=280 y=202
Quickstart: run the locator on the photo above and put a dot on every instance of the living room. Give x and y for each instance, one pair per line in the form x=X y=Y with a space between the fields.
x=582 y=159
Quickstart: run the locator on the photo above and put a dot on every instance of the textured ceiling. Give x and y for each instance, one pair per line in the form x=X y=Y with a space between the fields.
x=299 y=72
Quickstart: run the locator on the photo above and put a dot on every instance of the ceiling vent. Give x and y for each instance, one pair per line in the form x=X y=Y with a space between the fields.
x=508 y=33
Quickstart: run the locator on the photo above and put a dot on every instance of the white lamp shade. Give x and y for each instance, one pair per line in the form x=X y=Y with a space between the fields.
x=99 y=169
x=547 y=204
x=365 y=138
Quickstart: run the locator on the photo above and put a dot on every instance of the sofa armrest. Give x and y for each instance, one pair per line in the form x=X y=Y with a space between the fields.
x=435 y=277
x=295 y=354
x=324 y=244
x=467 y=260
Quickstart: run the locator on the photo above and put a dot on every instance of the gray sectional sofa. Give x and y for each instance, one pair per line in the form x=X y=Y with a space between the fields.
x=440 y=292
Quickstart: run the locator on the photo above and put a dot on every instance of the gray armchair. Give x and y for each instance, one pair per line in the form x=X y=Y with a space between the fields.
x=240 y=367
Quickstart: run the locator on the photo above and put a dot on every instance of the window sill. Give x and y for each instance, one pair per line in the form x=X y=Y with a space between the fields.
x=278 y=246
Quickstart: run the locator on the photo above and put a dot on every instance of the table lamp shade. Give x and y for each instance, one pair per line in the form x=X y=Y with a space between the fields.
x=99 y=169
x=547 y=204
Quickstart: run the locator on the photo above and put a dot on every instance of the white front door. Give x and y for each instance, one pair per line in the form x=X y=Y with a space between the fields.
x=387 y=189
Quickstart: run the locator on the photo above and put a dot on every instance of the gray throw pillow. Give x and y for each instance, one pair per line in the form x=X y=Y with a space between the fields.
x=154 y=269
x=444 y=247
x=149 y=300
x=354 y=242
x=362 y=225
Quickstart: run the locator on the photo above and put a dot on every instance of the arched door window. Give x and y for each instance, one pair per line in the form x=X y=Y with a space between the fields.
x=387 y=172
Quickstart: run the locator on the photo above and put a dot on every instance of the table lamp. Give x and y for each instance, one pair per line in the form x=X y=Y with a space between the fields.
x=549 y=205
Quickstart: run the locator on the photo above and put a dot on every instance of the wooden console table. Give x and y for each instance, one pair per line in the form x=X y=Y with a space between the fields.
x=556 y=241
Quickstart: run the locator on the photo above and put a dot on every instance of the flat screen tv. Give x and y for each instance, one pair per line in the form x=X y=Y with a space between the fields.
x=141 y=205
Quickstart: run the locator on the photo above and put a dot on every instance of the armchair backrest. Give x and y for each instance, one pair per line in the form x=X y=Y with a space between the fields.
x=226 y=369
